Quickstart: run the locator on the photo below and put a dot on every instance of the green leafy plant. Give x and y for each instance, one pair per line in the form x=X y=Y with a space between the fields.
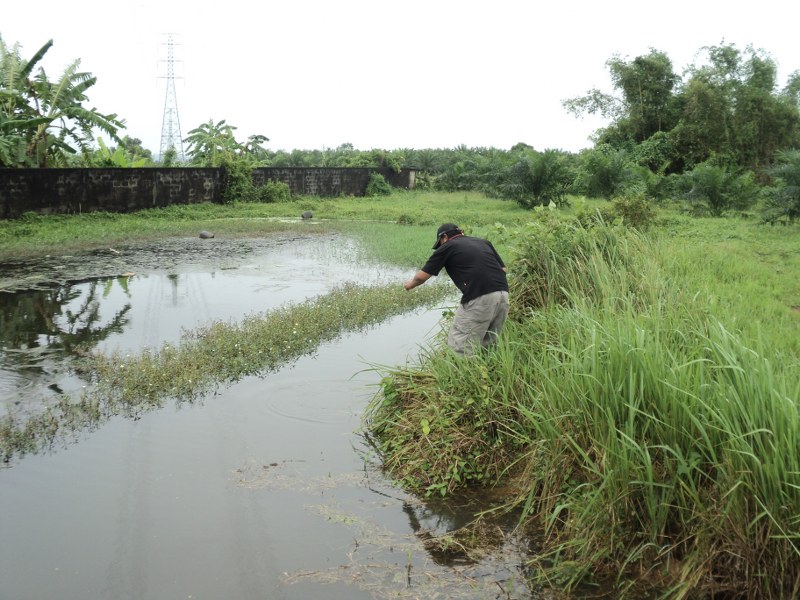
x=782 y=202
x=635 y=211
x=378 y=186
x=274 y=191
x=715 y=190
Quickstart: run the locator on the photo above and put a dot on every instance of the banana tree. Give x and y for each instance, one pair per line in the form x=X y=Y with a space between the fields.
x=210 y=143
x=42 y=121
x=65 y=123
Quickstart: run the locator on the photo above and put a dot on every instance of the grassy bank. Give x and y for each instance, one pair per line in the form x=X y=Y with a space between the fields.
x=34 y=235
x=641 y=408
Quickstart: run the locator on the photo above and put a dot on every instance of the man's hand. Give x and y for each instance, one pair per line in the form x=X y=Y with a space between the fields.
x=418 y=279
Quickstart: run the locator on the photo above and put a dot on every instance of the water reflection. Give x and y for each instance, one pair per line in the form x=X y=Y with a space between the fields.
x=42 y=330
x=171 y=286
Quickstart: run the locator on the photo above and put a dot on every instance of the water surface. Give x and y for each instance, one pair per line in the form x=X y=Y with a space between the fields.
x=264 y=490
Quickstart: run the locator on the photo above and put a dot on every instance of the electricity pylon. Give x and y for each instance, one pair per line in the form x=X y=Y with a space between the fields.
x=171 y=123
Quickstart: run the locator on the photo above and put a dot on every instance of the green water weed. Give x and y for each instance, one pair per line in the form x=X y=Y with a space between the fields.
x=208 y=357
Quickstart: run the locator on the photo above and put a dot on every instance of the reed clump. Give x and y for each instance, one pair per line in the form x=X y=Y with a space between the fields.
x=655 y=445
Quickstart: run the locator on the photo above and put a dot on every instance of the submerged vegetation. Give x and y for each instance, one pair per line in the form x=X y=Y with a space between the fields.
x=219 y=353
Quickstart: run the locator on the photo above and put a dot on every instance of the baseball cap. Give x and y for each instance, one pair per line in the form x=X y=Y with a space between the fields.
x=445 y=228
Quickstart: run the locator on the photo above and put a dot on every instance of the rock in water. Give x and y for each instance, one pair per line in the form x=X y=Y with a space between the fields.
x=206 y=235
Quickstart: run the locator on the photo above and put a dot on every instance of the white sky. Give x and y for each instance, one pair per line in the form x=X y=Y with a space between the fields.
x=314 y=74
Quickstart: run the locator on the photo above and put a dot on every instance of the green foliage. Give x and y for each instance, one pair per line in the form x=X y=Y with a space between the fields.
x=119 y=157
x=646 y=83
x=43 y=122
x=274 y=191
x=237 y=181
x=212 y=144
x=602 y=171
x=238 y=186
x=715 y=190
x=170 y=157
x=782 y=202
x=536 y=179
x=634 y=211
x=378 y=186
x=727 y=108
x=657 y=152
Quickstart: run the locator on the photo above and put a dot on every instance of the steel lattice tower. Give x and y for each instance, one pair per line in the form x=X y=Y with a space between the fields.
x=171 y=124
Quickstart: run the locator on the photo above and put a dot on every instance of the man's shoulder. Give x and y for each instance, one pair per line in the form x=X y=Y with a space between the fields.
x=470 y=241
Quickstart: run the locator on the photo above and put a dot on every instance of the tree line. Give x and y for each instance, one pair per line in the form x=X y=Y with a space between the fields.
x=723 y=136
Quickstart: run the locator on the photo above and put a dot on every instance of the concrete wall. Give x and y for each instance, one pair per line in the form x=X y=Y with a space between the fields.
x=52 y=191
x=331 y=181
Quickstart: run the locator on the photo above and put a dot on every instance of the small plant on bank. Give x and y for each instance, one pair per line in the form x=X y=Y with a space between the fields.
x=237 y=181
x=635 y=211
x=378 y=186
x=274 y=191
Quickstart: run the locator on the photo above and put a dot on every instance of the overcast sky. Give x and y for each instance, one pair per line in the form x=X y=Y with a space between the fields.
x=314 y=74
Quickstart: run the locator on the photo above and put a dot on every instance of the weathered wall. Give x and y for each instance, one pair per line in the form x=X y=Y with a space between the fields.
x=123 y=190
x=331 y=181
x=114 y=190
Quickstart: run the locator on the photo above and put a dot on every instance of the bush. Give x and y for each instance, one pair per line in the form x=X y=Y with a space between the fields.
x=715 y=190
x=537 y=179
x=602 y=172
x=237 y=182
x=634 y=211
x=274 y=191
x=378 y=186
x=783 y=201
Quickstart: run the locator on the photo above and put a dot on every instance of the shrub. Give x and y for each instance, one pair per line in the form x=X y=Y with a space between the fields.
x=378 y=186
x=237 y=182
x=715 y=190
x=783 y=200
x=274 y=191
x=634 y=211
x=537 y=179
x=602 y=172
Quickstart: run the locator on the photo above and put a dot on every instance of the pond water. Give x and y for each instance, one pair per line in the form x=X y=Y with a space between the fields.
x=264 y=490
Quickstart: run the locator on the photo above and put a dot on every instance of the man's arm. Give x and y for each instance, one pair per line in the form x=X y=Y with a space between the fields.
x=419 y=278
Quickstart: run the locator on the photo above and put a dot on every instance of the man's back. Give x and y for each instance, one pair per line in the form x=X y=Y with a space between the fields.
x=472 y=263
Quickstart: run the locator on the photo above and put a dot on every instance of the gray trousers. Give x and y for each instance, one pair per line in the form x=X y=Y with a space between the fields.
x=478 y=323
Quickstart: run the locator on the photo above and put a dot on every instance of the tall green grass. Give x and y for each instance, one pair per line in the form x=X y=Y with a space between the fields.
x=653 y=442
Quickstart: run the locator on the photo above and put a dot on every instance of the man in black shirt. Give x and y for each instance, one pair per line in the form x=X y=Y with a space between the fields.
x=478 y=271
